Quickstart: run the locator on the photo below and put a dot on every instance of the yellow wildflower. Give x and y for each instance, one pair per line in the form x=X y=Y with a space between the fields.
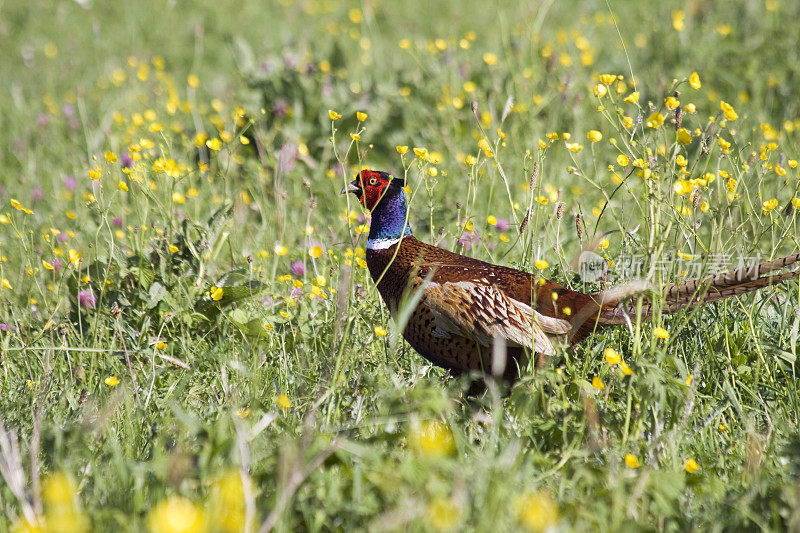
x=216 y=293
x=631 y=98
x=432 y=438
x=176 y=515
x=443 y=514
x=728 y=111
x=227 y=507
x=694 y=81
x=655 y=120
x=19 y=207
x=612 y=357
x=600 y=90
x=632 y=461
x=678 y=20
x=573 y=147
x=283 y=401
x=74 y=257
x=671 y=102
x=536 y=512
x=62 y=507
x=608 y=79
x=625 y=368
x=490 y=59
x=200 y=139
x=683 y=187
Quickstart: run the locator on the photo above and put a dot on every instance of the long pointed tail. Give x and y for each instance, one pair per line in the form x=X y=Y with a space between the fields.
x=700 y=291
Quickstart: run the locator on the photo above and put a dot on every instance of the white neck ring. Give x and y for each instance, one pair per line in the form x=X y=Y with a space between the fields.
x=381 y=244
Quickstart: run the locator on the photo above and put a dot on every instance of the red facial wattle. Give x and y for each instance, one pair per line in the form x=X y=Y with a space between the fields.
x=372 y=187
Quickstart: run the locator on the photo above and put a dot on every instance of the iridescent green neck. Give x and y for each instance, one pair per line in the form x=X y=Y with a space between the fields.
x=389 y=222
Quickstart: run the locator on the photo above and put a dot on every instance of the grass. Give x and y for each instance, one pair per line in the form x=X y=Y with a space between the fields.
x=190 y=341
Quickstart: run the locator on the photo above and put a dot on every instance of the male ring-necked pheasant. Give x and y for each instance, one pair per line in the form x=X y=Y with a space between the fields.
x=465 y=304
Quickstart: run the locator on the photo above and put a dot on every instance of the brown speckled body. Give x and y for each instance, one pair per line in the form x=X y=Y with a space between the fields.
x=467 y=304
x=401 y=268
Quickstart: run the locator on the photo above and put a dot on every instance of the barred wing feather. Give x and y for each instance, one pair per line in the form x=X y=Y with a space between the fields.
x=480 y=311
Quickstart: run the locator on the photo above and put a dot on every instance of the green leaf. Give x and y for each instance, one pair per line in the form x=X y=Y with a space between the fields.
x=230 y=294
x=245 y=59
x=156 y=293
x=219 y=218
x=144 y=276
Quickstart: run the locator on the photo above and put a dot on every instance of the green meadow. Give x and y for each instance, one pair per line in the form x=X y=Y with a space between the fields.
x=189 y=336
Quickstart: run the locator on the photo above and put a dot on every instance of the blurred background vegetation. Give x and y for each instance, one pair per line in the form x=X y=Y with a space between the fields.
x=189 y=340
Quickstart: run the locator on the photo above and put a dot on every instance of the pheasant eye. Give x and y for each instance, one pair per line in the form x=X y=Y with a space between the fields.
x=373 y=181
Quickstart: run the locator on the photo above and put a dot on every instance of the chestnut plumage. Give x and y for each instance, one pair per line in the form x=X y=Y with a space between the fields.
x=467 y=305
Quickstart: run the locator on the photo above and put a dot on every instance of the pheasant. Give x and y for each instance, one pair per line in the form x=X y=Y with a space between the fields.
x=465 y=307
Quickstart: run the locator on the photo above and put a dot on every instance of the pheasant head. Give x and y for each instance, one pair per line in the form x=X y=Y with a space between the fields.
x=370 y=186
x=384 y=196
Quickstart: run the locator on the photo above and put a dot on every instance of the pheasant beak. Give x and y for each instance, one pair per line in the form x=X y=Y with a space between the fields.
x=352 y=187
